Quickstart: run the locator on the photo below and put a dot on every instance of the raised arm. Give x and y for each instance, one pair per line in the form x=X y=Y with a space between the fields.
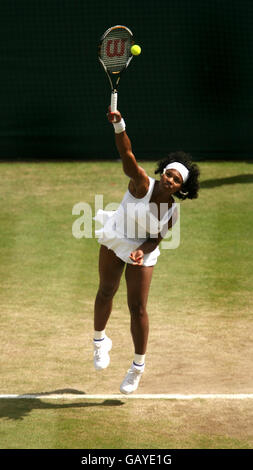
x=139 y=180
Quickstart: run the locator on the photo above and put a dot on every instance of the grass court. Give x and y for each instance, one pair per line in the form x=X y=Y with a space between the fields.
x=200 y=308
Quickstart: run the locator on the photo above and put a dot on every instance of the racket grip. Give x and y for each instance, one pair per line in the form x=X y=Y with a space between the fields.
x=114 y=101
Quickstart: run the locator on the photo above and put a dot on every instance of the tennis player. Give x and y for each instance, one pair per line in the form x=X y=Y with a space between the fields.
x=129 y=239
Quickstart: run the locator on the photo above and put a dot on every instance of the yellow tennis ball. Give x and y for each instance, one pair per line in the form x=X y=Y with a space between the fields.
x=135 y=49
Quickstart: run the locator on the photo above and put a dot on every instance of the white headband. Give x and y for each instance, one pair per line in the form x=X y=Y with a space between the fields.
x=184 y=172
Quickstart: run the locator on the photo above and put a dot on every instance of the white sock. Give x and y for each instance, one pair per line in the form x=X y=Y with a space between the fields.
x=99 y=335
x=139 y=360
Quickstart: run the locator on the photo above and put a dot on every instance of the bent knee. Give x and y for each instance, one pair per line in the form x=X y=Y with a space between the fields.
x=106 y=292
x=137 y=309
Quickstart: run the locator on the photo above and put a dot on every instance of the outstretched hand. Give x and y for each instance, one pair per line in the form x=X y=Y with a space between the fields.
x=137 y=257
x=112 y=115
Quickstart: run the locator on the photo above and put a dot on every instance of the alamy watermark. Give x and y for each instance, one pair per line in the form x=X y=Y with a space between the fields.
x=134 y=221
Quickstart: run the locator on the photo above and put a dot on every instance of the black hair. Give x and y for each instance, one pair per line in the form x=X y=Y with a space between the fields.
x=190 y=188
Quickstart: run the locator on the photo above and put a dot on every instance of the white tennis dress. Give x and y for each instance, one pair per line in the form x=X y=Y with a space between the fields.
x=135 y=220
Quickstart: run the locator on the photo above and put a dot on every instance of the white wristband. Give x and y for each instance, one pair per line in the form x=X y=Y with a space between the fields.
x=119 y=126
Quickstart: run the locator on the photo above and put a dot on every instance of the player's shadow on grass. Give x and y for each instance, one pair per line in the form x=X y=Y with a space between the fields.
x=18 y=409
x=238 y=179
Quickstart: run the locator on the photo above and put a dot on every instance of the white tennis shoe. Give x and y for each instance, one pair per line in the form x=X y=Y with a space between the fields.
x=132 y=379
x=101 y=353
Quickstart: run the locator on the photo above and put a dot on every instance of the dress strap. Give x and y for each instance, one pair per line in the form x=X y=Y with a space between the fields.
x=150 y=189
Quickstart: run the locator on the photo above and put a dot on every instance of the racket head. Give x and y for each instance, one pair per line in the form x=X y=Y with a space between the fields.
x=114 y=52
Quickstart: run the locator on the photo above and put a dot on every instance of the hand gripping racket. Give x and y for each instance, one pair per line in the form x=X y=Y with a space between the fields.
x=114 y=53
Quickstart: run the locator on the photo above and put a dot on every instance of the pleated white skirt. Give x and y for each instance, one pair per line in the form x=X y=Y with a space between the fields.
x=109 y=236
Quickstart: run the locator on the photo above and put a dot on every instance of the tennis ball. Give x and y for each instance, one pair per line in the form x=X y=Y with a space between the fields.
x=135 y=49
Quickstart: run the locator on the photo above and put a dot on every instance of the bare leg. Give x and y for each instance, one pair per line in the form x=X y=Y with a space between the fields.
x=110 y=272
x=138 y=280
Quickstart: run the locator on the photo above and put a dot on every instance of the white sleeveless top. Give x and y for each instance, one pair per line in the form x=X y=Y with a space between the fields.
x=135 y=220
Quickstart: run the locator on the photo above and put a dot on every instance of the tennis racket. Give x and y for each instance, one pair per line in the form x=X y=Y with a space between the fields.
x=114 y=53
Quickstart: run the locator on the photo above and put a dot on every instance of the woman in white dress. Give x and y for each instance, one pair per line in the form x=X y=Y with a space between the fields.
x=129 y=238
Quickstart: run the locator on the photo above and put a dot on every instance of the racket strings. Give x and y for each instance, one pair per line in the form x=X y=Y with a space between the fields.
x=116 y=50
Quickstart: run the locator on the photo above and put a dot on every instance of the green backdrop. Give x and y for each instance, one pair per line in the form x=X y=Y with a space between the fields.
x=190 y=89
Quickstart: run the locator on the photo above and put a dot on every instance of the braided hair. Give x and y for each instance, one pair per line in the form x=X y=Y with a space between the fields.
x=190 y=188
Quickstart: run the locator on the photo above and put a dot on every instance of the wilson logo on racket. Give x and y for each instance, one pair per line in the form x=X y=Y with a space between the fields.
x=115 y=47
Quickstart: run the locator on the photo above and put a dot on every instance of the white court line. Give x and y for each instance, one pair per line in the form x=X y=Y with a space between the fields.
x=154 y=396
